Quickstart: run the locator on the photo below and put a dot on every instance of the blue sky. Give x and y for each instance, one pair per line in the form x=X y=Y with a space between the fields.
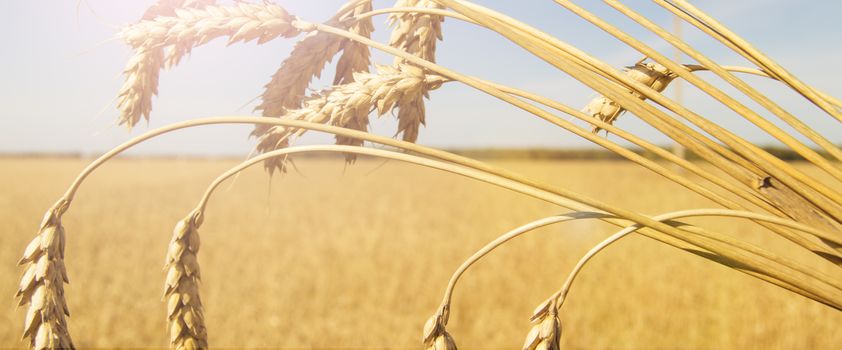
x=62 y=70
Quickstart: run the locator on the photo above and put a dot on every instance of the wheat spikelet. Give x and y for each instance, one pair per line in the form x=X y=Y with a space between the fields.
x=356 y=56
x=349 y=105
x=436 y=336
x=650 y=74
x=185 y=314
x=42 y=285
x=416 y=34
x=546 y=328
x=183 y=30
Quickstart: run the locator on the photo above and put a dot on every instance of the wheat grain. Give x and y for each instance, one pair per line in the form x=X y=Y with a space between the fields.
x=349 y=105
x=651 y=74
x=185 y=314
x=546 y=328
x=42 y=285
x=185 y=29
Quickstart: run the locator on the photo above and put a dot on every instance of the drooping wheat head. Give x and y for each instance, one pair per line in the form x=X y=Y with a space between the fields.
x=143 y=68
x=42 y=285
x=416 y=34
x=181 y=31
x=185 y=314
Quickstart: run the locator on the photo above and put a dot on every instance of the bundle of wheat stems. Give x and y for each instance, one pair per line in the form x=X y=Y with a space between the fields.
x=753 y=184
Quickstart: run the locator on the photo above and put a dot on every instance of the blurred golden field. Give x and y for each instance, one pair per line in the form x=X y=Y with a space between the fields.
x=359 y=257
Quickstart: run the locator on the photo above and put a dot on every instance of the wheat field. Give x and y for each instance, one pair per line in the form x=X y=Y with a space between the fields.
x=359 y=256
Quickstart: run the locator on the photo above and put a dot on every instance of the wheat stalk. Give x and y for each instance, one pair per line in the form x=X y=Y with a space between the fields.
x=185 y=29
x=713 y=28
x=790 y=189
x=822 y=250
x=185 y=314
x=42 y=285
x=349 y=105
x=710 y=241
x=750 y=91
x=789 y=279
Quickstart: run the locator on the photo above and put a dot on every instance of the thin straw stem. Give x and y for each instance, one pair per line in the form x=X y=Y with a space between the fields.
x=562 y=293
x=761 y=99
x=488 y=248
x=781 y=170
x=701 y=20
x=759 y=72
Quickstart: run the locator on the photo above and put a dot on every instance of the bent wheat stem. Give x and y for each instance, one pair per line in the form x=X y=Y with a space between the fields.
x=562 y=293
x=503 y=239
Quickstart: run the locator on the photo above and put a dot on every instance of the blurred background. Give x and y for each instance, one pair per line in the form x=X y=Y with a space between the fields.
x=337 y=256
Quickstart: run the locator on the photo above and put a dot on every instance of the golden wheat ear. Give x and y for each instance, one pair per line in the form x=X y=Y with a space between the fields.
x=42 y=285
x=179 y=32
x=349 y=105
x=185 y=314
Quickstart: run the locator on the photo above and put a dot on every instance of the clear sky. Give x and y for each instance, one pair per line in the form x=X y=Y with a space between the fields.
x=62 y=70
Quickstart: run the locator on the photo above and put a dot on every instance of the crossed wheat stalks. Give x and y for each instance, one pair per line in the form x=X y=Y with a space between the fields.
x=755 y=185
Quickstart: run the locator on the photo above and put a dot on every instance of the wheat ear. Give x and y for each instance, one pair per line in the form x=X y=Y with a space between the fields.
x=42 y=285
x=416 y=34
x=356 y=57
x=143 y=68
x=181 y=32
x=288 y=86
x=185 y=314
x=349 y=105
